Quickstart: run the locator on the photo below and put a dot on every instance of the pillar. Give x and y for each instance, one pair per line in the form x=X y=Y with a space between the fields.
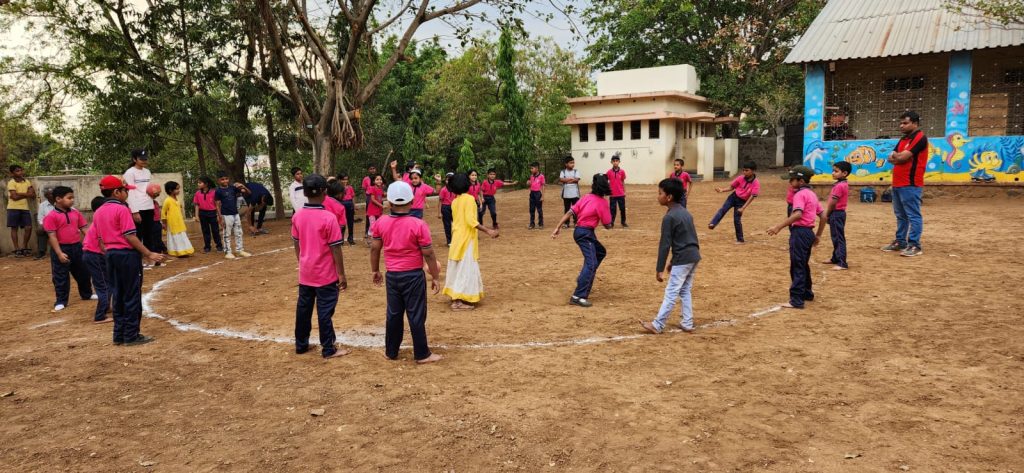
x=958 y=95
x=706 y=157
x=814 y=112
x=780 y=146
x=732 y=155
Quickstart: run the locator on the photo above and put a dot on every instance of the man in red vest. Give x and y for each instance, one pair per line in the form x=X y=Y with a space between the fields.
x=908 y=159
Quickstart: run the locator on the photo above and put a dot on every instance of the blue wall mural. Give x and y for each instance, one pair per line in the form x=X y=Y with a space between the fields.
x=955 y=157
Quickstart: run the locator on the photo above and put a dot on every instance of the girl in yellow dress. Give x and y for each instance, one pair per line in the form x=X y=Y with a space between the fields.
x=174 y=221
x=463 y=282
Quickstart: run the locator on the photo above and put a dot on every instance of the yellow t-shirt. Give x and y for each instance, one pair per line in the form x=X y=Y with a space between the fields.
x=21 y=188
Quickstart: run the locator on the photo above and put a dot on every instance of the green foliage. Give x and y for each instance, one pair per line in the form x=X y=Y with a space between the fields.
x=519 y=140
x=736 y=46
x=467 y=160
x=1003 y=11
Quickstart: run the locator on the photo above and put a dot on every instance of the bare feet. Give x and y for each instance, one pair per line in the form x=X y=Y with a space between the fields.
x=433 y=358
x=649 y=327
x=338 y=354
x=839 y=268
x=459 y=305
x=828 y=261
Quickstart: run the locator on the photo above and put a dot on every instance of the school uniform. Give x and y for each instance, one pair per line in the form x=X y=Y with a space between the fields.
x=679 y=236
x=207 y=205
x=536 y=183
x=590 y=211
x=419 y=199
x=570 y=190
x=743 y=190
x=336 y=209
x=617 y=181
x=113 y=223
x=489 y=189
x=96 y=262
x=366 y=185
x=373 y=211
x=837 y=222
x=404 y=237
x=347 y=200
x=66 y=226
x=315 y=230
x=684 y=177
x=446 y=198
x=801 y=240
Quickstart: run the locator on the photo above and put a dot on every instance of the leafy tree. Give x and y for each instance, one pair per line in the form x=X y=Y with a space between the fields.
x=519 y=139
x=1003 y=11
x=467 y=160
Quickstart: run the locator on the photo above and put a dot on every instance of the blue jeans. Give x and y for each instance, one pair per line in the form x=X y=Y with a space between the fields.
x=734 y=203
x=906 y=204
x=680 y=281
x=407 y=296
x=801 y=240
x=325 y=298
x=97 y=265
x=593 y=253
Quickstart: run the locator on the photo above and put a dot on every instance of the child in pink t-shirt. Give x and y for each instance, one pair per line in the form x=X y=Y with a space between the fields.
x=65 y=226
x=536 y=182
x=681 y=175
x=374 y=203
x=745 y=189
x=617 y=182
x=405 y=243
x=317 y=240
x=590 y=211
x=801 y=235
x=835 y=215
x=445 y=199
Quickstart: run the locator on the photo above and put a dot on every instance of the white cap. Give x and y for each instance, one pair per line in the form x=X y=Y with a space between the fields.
x=400 y=193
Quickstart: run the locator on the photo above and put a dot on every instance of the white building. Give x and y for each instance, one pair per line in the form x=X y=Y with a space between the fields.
x=651 y=116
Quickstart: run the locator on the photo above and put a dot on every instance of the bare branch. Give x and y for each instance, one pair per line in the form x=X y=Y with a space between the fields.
x=386 y=24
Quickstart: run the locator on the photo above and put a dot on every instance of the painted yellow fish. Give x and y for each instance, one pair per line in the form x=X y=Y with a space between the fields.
x=861 y=155
x=812 y=126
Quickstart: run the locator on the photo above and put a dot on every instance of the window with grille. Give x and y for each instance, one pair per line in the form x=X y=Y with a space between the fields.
x=634 y=130
x=599 y=131
x=617 y=131
x=654 y=129
x=997 y=92
x=584 y=133
x=864 y=98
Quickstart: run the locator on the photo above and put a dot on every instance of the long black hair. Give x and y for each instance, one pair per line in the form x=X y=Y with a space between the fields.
x=600 y=186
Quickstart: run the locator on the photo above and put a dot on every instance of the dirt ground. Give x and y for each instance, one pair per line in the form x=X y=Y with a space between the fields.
x=901 y=364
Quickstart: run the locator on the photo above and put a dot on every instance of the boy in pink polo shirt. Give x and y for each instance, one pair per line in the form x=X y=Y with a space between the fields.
x=536 y=182
x=489 y=188
x=835 y=215
x=115 y=230
x=682 y=176
x=745 y=189
x=406 y=244
x=64 y=227
x=318 y=242
x=96 y=261
x=801 y=235
x=617 y=181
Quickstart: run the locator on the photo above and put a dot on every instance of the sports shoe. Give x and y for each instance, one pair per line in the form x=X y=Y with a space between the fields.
x=206 y=250
x=139 y=339
x=94 y=297
x=911 y=251
x=58 y=307
x=579 y=301
x=625 y=226
x=531 y=227
x=244 y=254
x=229 y=255
x=894 y=246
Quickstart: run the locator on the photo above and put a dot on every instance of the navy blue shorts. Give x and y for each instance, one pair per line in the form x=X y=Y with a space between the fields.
x=19 y=219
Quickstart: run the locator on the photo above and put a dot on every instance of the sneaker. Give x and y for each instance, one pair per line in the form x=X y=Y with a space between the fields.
x=684 y=329
x=244 y=254
x=351 y=243
x=579 y=301
x=139 y=339
x=263 y=231
x=531 y=227
x=894 y=246
x=911 y=251
x=94 y=297
x=541 y=226
x=206 y=250
x=565 y=225
x=229 y=255
x=625 y=226
x=58 y=307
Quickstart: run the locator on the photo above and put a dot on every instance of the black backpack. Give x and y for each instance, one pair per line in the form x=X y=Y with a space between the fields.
x=887 y=195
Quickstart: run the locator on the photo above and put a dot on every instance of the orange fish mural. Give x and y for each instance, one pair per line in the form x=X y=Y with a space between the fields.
x=861 y=155
x=812 y=126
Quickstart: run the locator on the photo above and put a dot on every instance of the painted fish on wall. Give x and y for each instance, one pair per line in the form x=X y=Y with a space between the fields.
x=863 y=155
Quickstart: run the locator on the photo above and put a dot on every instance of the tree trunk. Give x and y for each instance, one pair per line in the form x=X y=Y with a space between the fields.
x=275 y=177
x=200 y=154
x=323 y=164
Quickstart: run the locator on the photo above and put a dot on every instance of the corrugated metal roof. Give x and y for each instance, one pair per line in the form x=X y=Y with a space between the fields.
x=852 y=29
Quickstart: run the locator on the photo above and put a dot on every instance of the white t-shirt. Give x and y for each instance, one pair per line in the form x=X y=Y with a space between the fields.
x=296 y=195
x=138 y=199
x=570 y=190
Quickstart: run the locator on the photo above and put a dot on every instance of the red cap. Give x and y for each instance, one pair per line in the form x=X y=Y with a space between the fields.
x=110 y=183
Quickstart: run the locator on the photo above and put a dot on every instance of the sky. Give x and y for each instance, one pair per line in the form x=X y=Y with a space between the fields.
x=16 y=42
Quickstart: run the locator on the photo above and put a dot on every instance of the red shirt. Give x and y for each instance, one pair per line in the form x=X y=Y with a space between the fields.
x=617 y=181
x=335 y=208
x=419 y=195
x=840 y=193
x=65 y=224
x=446 y=196
x=474 y=190
x=682 y=176
x=113 y=221
x=745 y=189
x=591 y=210
x=490 y=187
x=404 y=237
x=315 y=230
x=911 y=173
x=536 y=182
x=366 y=184
x=156 y=211
x=205 y=201
x=350 y=193
x=373 y=209
x=806 y=202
